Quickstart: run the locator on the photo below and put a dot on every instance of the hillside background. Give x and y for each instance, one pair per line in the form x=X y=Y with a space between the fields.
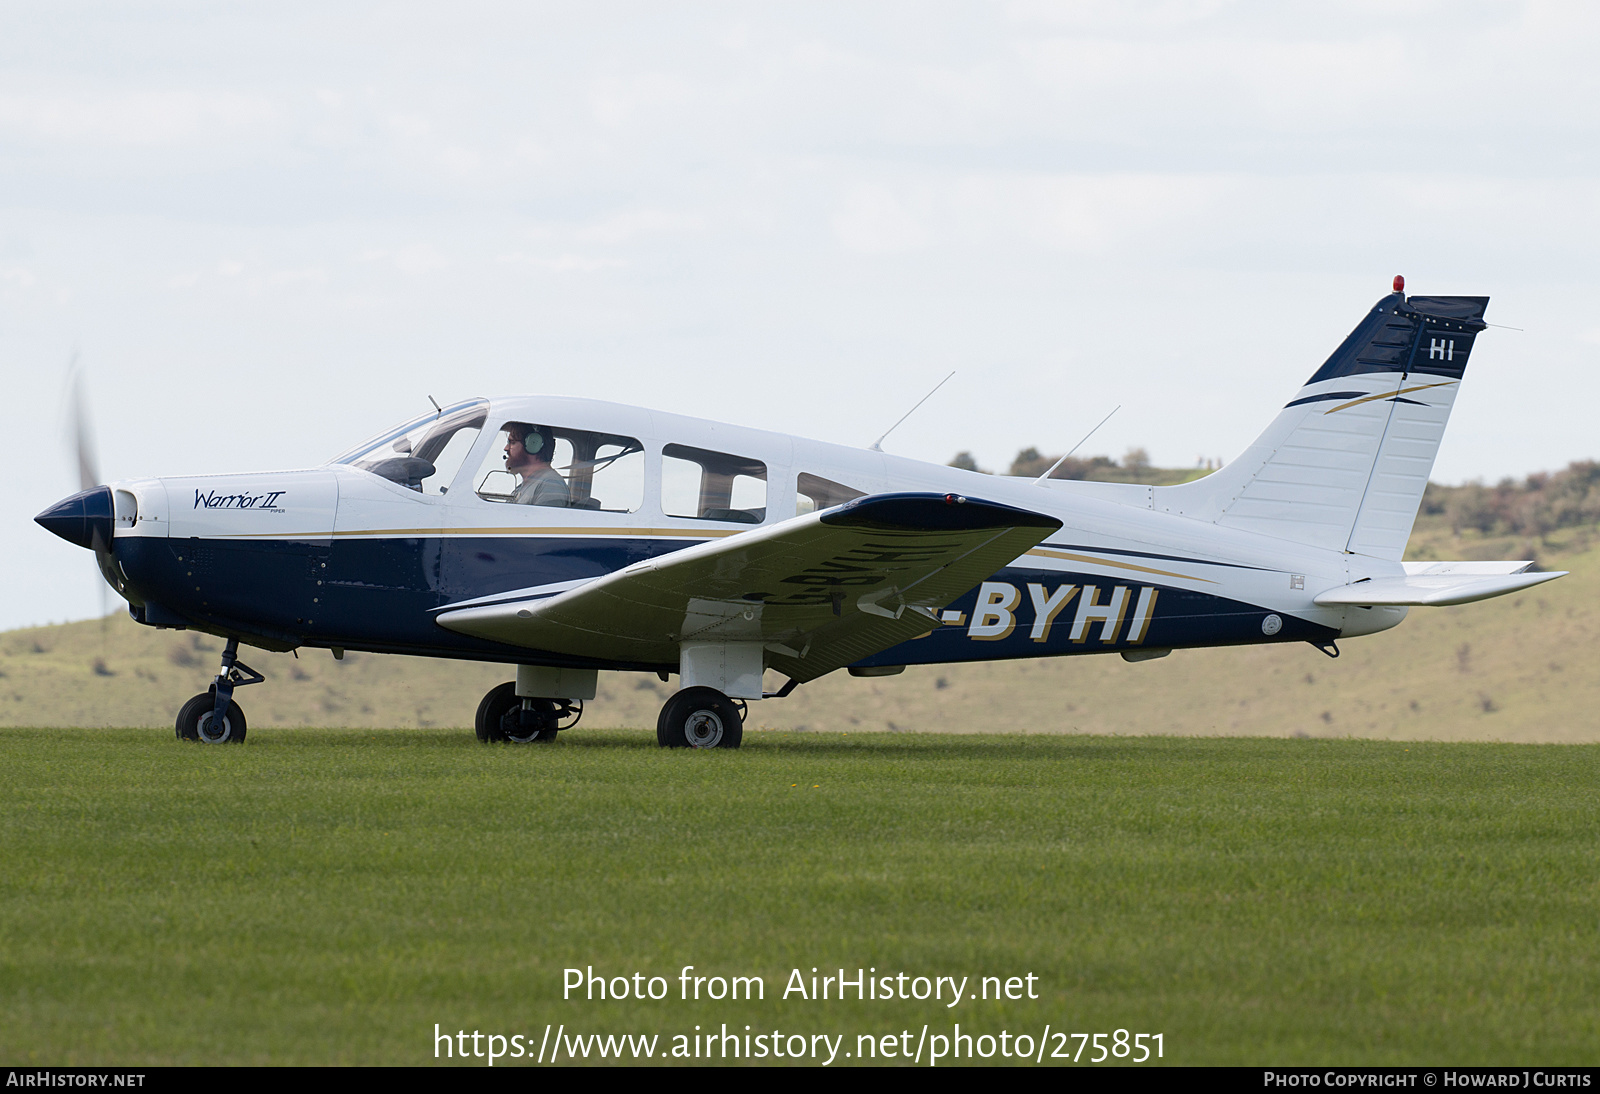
x=1519 y=668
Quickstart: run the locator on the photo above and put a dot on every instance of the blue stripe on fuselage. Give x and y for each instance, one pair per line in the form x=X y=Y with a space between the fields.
x=381 y=595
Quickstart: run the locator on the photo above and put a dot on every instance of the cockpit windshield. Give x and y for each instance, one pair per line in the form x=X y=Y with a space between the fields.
x=422 y=455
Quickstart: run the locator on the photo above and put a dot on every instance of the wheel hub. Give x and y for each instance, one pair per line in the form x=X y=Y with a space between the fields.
x=538 y=723
x=517 y=735
x=209 y=735
x=703 y=729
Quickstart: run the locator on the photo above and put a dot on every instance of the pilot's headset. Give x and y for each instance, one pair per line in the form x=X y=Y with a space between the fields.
x=537 y=440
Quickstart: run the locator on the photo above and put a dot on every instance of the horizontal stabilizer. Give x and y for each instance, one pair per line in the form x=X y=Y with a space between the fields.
x=1435 y=584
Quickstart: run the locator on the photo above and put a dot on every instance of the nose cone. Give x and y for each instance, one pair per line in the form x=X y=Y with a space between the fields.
x=84 y=519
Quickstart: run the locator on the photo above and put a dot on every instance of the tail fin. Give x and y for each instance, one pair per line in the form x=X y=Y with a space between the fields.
x=1344 y=464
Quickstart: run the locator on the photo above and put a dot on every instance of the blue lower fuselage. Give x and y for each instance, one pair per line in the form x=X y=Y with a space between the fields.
x=382 y=595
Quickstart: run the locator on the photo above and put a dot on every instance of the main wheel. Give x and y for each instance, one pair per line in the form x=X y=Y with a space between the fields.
x=196 y=718
x=500 y=717
x=699 y=718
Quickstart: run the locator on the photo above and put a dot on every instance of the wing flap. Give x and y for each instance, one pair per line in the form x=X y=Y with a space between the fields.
x=1436 y=588
x=820 y=590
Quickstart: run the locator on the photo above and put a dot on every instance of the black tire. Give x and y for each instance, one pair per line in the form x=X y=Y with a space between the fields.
x=195 y=716
x=500 y=718
x=700 y=718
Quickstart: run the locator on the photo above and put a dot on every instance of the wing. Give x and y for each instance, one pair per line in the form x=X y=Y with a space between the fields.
x=1438 y=583
x=820 y=591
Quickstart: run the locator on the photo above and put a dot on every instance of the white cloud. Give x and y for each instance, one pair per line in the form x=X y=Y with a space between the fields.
x=875 y=220
x=1085 y=214
x=414 y=259
x=564 y=263
x=637 y=224
x=137 y=118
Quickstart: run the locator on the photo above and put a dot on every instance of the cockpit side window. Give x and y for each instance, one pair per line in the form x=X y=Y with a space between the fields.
x=813 y=492
x=705 y=485
x=533 y=463
x=423 y=455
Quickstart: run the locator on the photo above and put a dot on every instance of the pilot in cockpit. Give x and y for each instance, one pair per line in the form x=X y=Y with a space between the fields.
x=528 y=452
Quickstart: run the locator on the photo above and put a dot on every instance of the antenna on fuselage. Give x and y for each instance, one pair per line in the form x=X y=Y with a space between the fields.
x=1040 y=480
x=436 y=406
x=877 y=443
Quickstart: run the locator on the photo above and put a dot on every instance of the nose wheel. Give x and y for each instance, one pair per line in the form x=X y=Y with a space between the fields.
x=197 y=721
x=700 y=717
x=213 y=717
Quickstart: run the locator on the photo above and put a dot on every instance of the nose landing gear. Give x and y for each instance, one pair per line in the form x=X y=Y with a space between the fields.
x=212 y=717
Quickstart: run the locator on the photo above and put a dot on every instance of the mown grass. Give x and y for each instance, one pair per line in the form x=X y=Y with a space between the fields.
x=326 y=896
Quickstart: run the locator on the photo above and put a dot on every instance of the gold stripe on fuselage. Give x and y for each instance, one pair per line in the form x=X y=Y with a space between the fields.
x=694 y=533
x=1046 y=552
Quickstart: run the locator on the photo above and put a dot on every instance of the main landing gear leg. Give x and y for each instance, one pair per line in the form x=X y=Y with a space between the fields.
x=700 y=717
x=505 y=716
x=213 y=717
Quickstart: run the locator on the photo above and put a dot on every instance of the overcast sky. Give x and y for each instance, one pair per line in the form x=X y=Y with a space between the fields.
x=271 y=230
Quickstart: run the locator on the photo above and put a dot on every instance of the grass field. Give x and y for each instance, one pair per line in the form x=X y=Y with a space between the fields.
x=327 y=896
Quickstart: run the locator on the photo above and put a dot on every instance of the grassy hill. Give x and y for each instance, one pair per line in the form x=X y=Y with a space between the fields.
x=1513 y=669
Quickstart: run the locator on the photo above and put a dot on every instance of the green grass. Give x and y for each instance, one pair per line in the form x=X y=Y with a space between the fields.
x=326 y=896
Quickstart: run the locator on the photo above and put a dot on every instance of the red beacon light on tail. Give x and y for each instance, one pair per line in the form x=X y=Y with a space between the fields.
x=1399 y=283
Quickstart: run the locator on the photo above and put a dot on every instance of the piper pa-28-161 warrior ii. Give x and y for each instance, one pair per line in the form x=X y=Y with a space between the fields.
x=565 y=536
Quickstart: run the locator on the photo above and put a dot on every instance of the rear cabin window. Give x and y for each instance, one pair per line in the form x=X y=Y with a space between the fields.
x=705 y=485
x=812 y=492
x=531 y=463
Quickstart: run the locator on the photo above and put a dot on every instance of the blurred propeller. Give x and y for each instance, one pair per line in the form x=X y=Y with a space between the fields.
x=81 y=442
x=82 y=439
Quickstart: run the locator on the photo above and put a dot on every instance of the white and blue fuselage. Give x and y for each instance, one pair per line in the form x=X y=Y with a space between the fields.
x=340 y=557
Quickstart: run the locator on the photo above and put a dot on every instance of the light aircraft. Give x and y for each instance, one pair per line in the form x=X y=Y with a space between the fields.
x=565 y=536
